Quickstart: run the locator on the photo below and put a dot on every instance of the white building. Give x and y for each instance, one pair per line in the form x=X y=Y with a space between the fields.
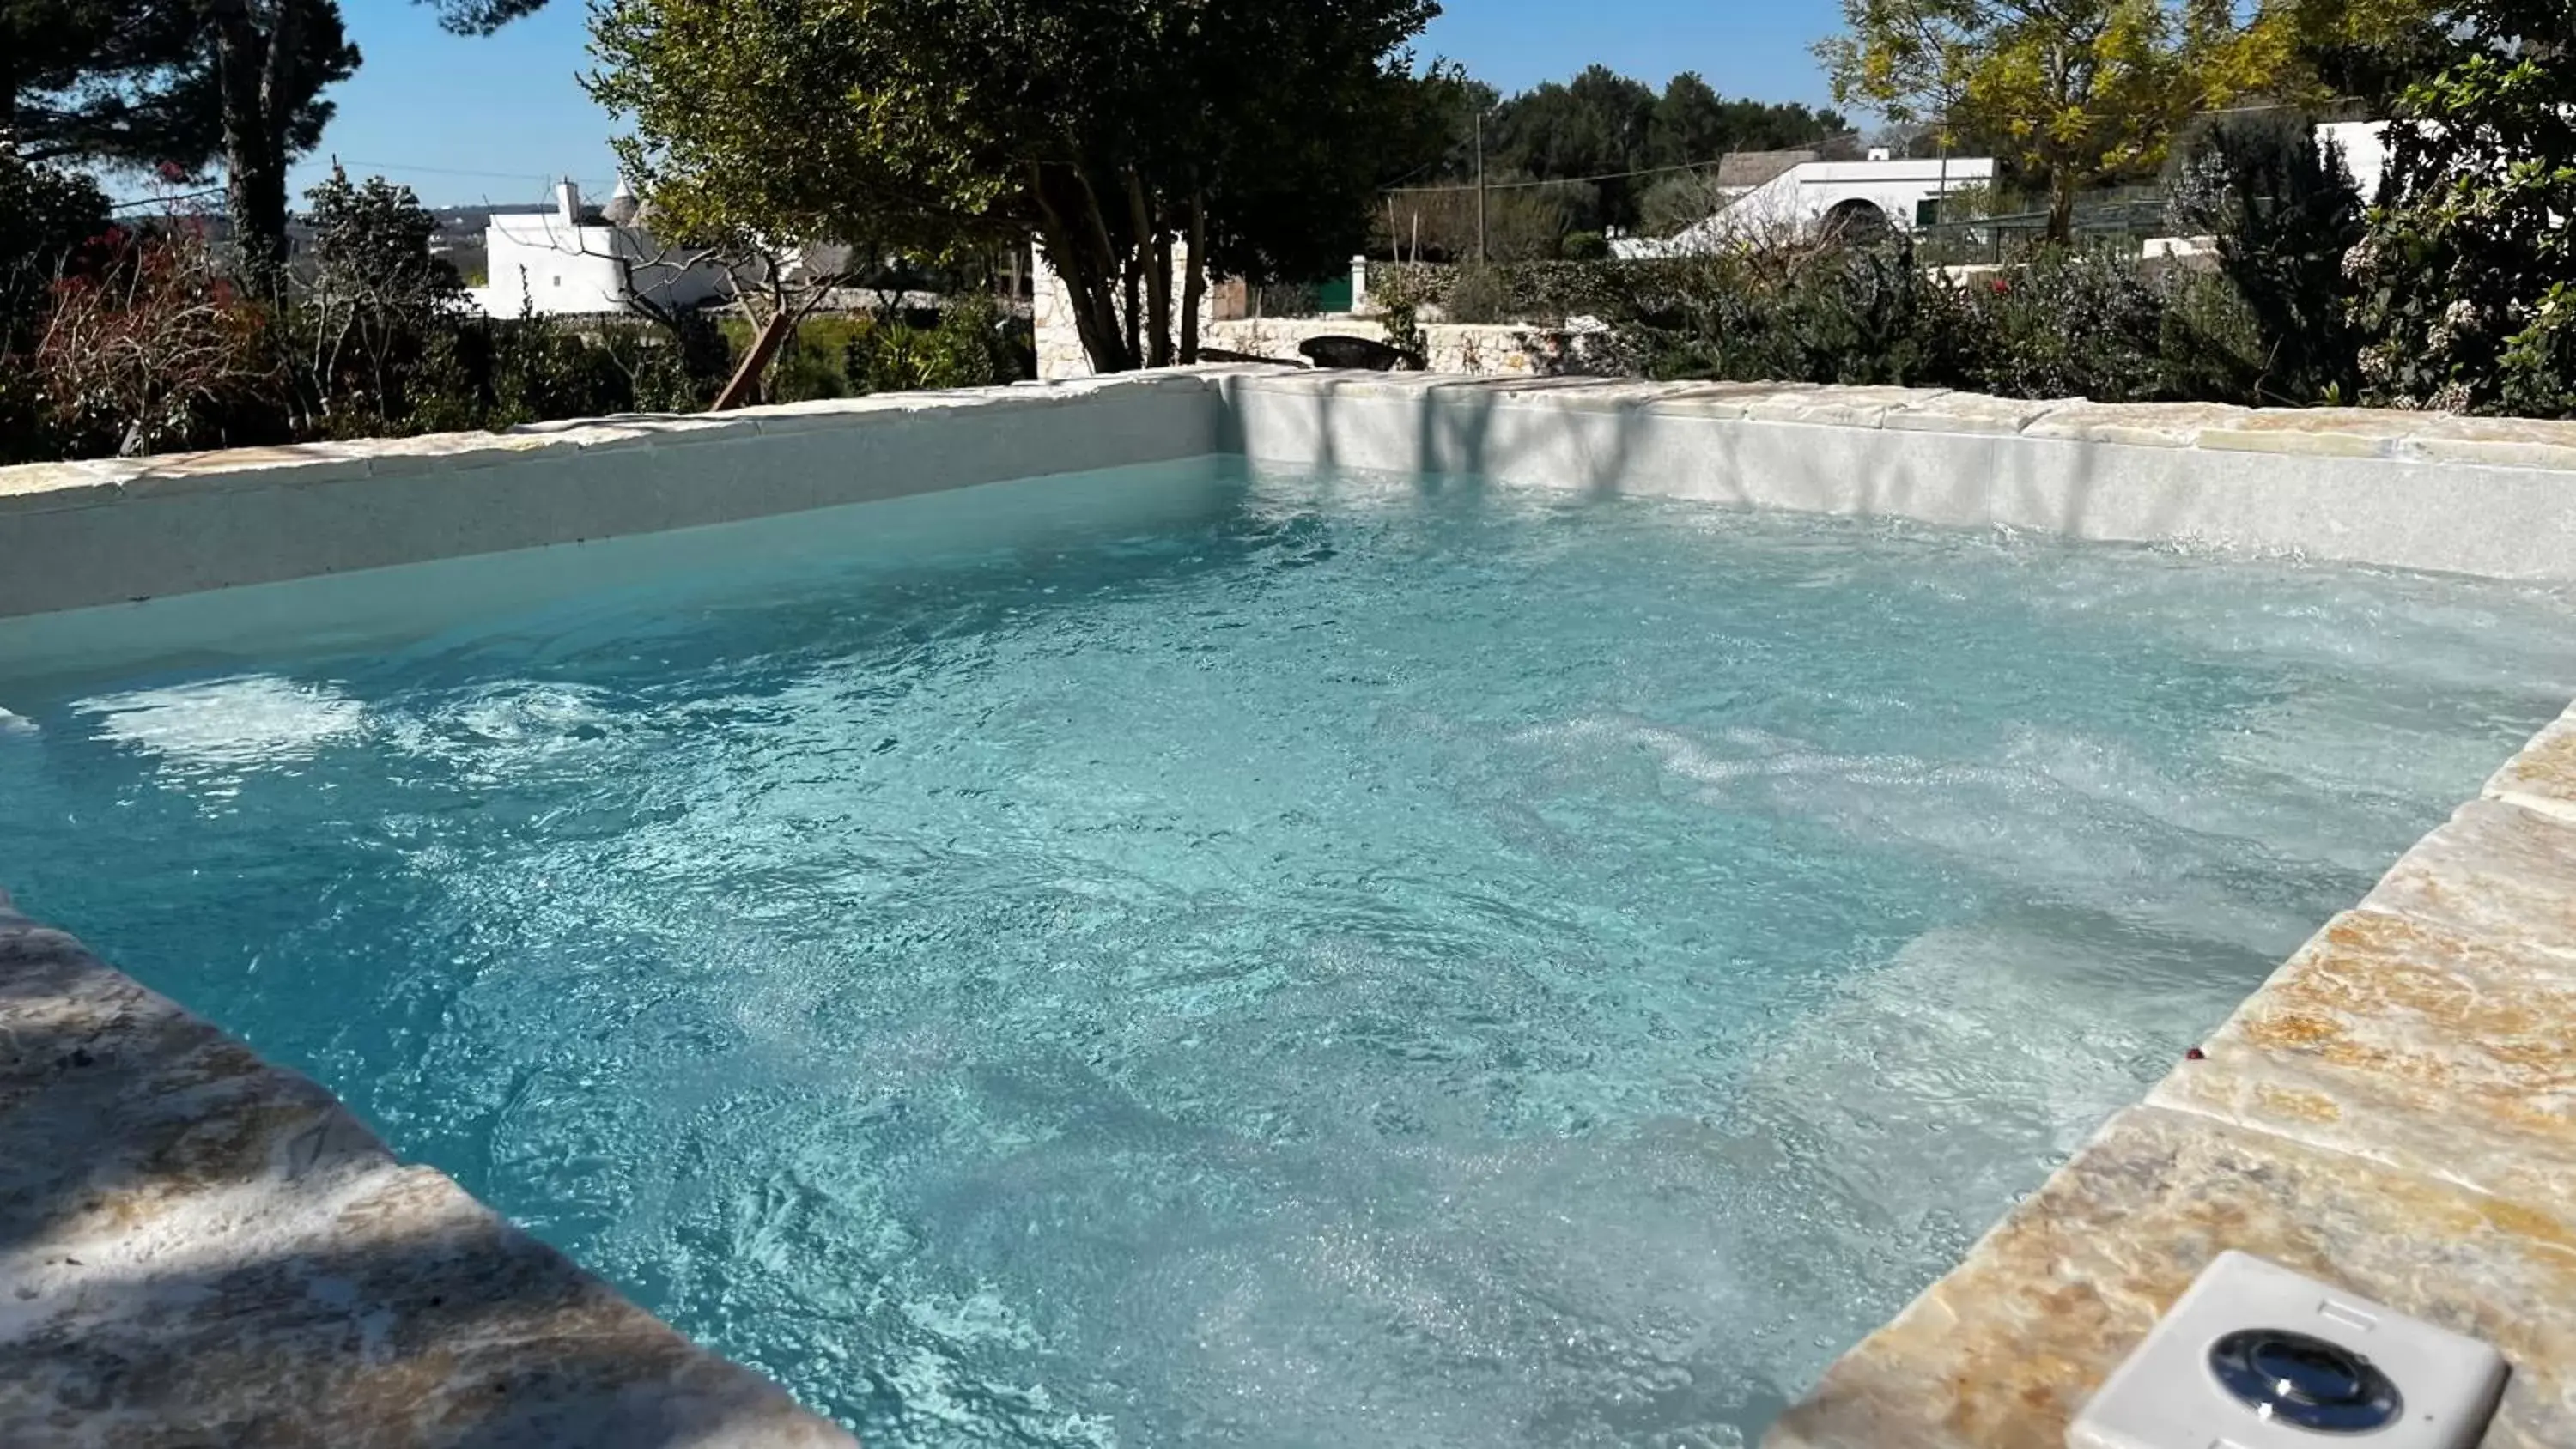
x=1814 y=196
x=568 y=262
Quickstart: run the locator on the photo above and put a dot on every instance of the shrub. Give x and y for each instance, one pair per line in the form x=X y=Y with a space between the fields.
x=541 y=369
x=374 y=297
x=154 y=350
x=970 y=346
x=806 y=369
x=1814 y=313
x=1477 y=295
x=2285 y=214
x=46 y=216
x=1585 y=246
x=2466 y=275
x=2070 y=323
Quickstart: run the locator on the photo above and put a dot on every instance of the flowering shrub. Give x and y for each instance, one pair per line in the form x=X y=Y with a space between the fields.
x=2467 y=279
x=152 y=349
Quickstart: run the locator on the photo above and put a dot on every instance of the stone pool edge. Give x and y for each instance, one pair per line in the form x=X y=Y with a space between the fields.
x=120 y=530
x=2490 y=496
x=194 y=1242
x=2418 y=490
x=2393 y=1110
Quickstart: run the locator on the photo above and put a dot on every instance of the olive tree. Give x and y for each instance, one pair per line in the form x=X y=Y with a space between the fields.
x=1247 y=136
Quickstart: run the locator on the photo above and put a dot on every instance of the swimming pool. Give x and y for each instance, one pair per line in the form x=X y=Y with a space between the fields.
x=1200 y=954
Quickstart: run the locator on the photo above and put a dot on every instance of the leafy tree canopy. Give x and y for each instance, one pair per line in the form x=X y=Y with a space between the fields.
x=133 y=83
x=2468 y=274
x=1609 y=133
x=2073 y=93
x=1257 y=132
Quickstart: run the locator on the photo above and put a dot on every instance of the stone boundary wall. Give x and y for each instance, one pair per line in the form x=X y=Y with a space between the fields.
x=1452 y=348
x=1459 y=348
x=200 y=1248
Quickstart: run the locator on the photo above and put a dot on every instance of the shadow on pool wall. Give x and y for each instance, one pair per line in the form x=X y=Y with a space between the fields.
x=2406 y=490
x=2338 y=1124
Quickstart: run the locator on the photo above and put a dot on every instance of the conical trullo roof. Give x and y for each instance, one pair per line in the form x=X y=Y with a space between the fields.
x=622 y=208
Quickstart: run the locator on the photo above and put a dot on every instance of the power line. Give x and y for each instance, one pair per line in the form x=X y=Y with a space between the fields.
x=141 y=203
x=456 y=171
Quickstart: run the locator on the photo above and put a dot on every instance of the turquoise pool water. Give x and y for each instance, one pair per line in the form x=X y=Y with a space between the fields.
x=1184 y=958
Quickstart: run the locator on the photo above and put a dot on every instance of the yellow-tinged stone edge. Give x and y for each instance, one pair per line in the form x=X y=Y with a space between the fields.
x=200 y=1248
x=2394 y=1110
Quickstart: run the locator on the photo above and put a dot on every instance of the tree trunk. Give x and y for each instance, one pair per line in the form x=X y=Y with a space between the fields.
x=1194 y=289
x=1078 y=248
x=252 y=77
x=744 y=386
x=2061 y=207
x=1095 y=315
x=1134 y=320
x=1121 y=353
x=1158 y=306
x=1154 y=249
x=1094 y=321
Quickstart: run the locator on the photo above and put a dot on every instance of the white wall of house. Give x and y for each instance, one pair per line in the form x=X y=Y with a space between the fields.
x=1806 y=197
x=555 y=264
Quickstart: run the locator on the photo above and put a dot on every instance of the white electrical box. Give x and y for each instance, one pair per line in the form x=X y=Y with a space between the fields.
x=2254 y=1356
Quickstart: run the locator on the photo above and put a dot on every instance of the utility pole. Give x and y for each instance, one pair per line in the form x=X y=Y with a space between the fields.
x=1480 y=185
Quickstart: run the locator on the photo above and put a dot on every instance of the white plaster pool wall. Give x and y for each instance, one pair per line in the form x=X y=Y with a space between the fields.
x=2414 y=490
x=2409 y=490
x=74 y=535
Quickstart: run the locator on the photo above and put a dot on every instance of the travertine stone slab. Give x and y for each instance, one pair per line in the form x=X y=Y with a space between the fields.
x=249 y=467
x=2395 y=1110
x=2499 y=442
x=1848 y=407
x=1969 y=412
x=2001 y=1353
x=33 y=486
x=2316 y=432
x=1728 y=400
x=2543 y=776
x=198 y=1249
x=2493 y=872
x=2137 y=425
x=2411 y=1044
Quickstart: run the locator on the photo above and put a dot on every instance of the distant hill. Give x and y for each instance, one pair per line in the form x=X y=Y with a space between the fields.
x=463 y=225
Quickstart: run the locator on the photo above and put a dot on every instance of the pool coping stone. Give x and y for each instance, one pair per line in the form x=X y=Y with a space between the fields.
x=2394 y=1111
x=199 y=1247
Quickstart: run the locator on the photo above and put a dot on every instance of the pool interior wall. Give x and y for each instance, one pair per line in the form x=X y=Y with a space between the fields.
x=2401 y=472
x=2406 y=490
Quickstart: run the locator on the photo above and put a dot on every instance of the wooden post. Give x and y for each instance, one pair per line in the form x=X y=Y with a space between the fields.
x=744 y=385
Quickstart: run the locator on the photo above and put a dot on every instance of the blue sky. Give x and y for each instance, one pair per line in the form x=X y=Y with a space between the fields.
x=462 y=120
